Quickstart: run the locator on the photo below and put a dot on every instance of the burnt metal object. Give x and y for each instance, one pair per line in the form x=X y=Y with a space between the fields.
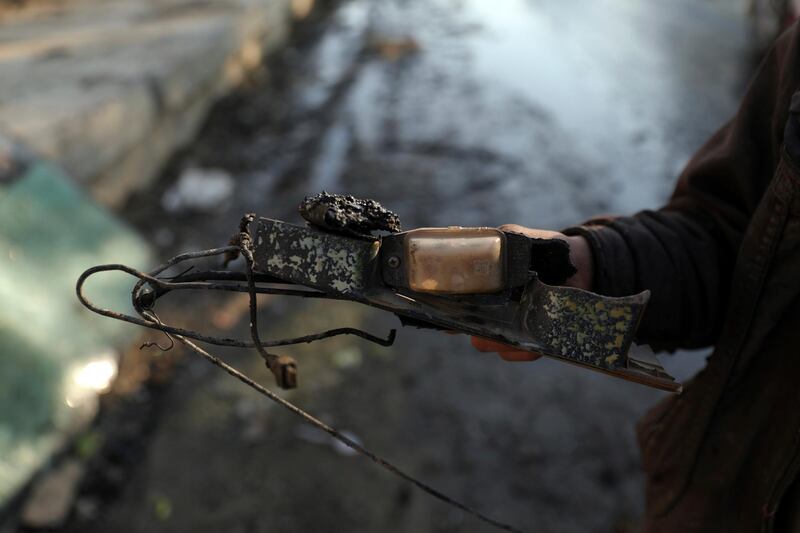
x=565 y=323
x=560 y=322
x=337 y=258
x=150 y=287
x=547 y=259
x=348 y=215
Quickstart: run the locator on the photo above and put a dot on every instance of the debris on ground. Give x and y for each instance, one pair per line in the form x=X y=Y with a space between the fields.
x=162 y=507
x=198 y=189
x=393 y=48
x=348 y=357
x=51 y=499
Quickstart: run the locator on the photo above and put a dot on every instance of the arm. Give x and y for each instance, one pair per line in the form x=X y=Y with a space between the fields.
x=685 y=252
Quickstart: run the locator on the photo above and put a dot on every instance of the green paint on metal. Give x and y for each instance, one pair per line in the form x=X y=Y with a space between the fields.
x=580 y=325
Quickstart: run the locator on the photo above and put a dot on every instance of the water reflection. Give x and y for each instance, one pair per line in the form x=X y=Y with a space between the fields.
x=90 y=378
x=542 y=113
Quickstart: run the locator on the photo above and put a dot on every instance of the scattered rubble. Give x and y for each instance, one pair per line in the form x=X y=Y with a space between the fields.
x=198 y=189
x=51 y=499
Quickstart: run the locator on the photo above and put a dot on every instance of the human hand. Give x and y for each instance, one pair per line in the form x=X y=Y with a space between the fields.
x=581 y=256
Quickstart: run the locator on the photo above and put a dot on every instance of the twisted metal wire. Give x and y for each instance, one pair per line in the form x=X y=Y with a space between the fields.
x=143 y=303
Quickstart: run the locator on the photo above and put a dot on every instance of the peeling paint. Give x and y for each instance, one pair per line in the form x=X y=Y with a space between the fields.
x=576 y=325
x=312 y=257
x=579 y=325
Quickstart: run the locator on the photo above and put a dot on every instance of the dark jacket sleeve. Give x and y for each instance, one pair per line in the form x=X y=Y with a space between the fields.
x=685 y=252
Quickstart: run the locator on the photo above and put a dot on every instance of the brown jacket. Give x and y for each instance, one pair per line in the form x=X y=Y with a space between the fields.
x=722 y=260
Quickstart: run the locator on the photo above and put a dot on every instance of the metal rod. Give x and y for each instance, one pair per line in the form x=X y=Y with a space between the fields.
x=219 y=341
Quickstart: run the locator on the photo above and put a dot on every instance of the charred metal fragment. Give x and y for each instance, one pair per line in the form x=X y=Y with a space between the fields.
x=575 y=326
x=348 y=215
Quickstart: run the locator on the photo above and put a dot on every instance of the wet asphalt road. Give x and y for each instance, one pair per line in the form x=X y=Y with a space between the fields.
x=536 y=112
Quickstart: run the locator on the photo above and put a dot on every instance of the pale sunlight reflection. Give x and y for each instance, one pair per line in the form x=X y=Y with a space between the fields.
x=90 y=378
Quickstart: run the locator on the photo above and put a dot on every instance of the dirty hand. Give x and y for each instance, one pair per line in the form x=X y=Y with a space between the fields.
x=581 y=256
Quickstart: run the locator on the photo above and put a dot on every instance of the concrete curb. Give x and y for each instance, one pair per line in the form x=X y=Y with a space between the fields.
x=109 y=90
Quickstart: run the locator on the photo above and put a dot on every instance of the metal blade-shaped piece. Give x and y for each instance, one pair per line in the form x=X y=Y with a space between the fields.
x=593 y=329
x=569 y=324
x=586 y=328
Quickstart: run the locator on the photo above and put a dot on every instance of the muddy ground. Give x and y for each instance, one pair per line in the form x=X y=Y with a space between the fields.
x=541 y=113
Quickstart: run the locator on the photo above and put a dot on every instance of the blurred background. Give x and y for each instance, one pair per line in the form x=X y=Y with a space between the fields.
x=132 y=130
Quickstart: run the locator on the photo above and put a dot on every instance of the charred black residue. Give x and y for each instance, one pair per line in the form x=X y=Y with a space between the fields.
x=550 y=259
x=348 y=214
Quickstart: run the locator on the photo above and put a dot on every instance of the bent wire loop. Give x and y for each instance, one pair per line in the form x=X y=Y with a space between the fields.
x=149 y=288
